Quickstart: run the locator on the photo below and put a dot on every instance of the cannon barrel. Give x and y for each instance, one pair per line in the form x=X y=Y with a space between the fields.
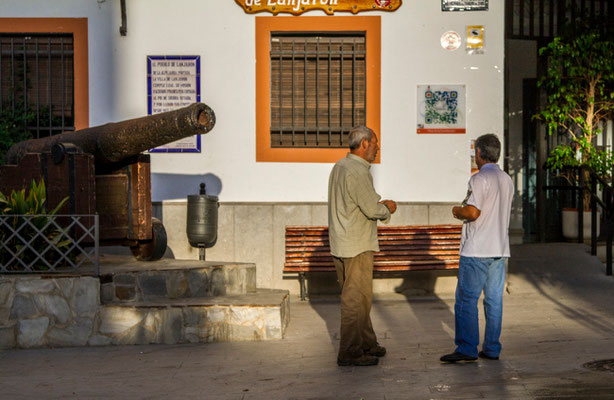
x=115 y=142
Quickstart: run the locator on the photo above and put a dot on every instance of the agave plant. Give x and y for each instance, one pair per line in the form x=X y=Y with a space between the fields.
x=38 y=232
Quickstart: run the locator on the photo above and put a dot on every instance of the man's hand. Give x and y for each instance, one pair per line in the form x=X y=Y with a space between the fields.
x=391 y=204
x=466 y=213
x=455 y=211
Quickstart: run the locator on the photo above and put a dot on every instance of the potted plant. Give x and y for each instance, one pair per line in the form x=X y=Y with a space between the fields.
x=578 y=84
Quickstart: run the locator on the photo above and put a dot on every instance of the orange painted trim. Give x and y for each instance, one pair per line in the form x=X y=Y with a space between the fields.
x=264 y=26
x=76 y=26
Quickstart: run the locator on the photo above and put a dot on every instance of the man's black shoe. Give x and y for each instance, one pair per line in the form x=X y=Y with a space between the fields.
x=481 y=354
x=377 y=351
x=362 y=361
x=457 y=357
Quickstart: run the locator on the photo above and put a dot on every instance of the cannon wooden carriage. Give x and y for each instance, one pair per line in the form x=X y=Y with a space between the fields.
x=101 y=170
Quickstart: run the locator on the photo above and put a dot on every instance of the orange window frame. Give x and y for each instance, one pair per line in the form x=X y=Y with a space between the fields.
x=78 y=28
x=371 y=25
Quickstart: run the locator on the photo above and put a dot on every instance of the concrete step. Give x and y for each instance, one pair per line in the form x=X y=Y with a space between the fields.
x=125 y=280
x=262 y=315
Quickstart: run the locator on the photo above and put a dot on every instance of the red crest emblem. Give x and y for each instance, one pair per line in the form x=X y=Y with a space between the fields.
x=382 y=3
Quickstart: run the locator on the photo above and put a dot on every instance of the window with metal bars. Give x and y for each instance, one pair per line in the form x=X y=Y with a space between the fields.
x=545 y=19
x=37 y=81
x=318 y=88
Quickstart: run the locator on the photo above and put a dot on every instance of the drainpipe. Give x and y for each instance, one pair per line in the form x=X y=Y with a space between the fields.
x=123 y=30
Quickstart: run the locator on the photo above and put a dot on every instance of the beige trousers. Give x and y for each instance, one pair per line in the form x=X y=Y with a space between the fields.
x=355 y=275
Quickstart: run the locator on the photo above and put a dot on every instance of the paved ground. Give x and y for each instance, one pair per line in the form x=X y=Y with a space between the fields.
x=558 y=316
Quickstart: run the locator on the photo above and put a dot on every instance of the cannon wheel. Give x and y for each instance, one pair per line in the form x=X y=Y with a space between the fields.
x=152 y=250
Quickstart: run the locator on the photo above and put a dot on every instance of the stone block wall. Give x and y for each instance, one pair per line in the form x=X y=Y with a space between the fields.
x=38 y=312
x=134 y=286
x=66 y=311
x=255 y=233
x=195 y=324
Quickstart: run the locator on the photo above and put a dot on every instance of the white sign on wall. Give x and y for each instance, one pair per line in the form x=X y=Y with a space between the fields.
x=464 y=5
x=173 y=82
x=441 y=109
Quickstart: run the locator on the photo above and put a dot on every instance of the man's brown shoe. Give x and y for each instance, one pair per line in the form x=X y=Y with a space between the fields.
x=362 y=361
x=377 y=351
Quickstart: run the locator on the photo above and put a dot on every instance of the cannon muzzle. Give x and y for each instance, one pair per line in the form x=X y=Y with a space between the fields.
x=113 y=143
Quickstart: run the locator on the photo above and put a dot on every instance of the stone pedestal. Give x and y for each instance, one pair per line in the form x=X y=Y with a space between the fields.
x=169 y=302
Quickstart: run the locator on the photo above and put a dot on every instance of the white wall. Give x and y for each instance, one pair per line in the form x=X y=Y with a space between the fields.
x=431 y=168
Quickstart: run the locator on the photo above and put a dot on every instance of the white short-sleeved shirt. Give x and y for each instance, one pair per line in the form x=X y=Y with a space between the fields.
x=491 y=191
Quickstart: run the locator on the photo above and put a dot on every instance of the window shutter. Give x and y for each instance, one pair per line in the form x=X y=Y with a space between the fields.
x=318 y=88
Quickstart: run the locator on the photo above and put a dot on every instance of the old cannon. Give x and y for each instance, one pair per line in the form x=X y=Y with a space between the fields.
x=101 y=170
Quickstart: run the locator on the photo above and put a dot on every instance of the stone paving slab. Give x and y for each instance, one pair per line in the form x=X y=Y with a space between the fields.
x=111 y=263
x=260 y=298
x=120 y=263
x=557 y=316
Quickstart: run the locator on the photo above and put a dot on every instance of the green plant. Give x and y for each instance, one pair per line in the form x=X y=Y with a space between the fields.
x=15 y=116
x=37 y=231
x=13 y=127
x=578 y=83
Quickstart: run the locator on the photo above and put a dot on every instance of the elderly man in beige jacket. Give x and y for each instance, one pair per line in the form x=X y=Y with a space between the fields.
x=353 y=211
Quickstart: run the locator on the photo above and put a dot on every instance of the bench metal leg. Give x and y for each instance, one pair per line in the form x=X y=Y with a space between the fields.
x=301 y=279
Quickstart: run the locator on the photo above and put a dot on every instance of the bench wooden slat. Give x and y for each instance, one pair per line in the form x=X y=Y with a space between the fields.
x=402 y=248
x=310 y=245
x=413 y=253
x=436 y=242
x=383 y=239
x=387 y=261
x=387 y=245
x=320 y=228
x=395 y=252
x=383 y=248
x=382 y=268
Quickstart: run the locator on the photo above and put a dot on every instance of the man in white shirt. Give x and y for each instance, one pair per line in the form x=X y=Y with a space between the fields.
x=484 y=248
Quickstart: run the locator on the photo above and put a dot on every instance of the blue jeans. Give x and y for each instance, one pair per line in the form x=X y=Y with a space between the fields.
x=476 y=275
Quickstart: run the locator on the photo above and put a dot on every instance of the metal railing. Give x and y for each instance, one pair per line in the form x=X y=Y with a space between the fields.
x=605 y=201
x=48 y=243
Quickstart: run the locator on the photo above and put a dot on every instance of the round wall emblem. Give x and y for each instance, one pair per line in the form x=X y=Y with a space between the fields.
x=450 y=40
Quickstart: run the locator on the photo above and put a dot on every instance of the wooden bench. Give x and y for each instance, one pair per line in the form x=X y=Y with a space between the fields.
x=402 y=248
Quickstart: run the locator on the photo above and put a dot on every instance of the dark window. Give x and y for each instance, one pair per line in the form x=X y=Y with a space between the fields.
x=37 y=81
x=545 y=19
x=318 y=87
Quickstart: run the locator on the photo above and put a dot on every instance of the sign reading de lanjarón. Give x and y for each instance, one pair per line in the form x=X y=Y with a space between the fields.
x=297 y=7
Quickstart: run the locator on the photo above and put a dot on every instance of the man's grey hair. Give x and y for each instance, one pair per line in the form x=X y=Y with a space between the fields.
x=489 y=146
x=357 y=134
